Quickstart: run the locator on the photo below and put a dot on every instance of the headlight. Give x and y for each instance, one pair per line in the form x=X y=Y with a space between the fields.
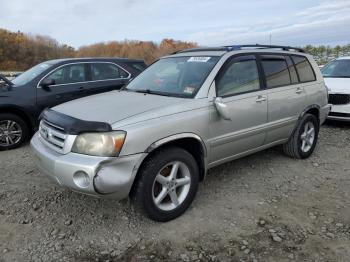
x=99 y=144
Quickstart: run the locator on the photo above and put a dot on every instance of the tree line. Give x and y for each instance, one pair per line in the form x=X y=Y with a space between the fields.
x=19 y=51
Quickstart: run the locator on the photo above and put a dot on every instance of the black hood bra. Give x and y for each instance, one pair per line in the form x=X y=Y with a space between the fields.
x=71 y=125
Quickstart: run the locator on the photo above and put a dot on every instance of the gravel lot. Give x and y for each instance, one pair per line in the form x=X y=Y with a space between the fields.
x=265 y=207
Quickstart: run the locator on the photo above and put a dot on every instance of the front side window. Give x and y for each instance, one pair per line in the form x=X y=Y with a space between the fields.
x=238 y=77
x=174 y=76
x=105 y=71
x=276 y=71
x=337 y=68
x=304 y=69
x=69 y=74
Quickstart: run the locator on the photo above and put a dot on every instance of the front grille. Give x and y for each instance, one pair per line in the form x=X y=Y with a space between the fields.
x=339 y=99
x=53 y=136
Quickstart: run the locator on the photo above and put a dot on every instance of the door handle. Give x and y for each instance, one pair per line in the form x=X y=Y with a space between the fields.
x=261 y=99
x=299 y=90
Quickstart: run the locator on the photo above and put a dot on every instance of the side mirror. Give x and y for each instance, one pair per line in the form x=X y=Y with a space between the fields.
x=47 y=82
x=221 y=107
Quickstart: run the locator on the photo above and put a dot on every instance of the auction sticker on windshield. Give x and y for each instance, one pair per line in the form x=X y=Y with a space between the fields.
x=202 y=59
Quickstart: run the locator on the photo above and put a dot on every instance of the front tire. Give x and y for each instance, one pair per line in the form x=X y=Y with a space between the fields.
x=167 y=184
x=13 y=131
x=303 y=141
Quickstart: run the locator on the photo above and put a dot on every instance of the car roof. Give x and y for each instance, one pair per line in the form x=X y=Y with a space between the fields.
x=91 y=59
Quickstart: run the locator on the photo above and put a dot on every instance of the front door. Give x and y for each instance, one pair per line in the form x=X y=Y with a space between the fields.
x=69 y=83
x=241 y=90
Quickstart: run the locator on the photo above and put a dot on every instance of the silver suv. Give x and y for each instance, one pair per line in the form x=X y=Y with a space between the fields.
x=155 y=139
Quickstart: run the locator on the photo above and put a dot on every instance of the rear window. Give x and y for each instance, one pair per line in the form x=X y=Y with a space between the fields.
x=304 y=69
x=276 y=71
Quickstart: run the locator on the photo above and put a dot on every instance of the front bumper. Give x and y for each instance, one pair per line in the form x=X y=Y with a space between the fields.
x=340 y=113
x=92 y=175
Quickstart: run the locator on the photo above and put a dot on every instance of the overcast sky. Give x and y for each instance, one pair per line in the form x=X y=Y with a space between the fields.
x=207 y=22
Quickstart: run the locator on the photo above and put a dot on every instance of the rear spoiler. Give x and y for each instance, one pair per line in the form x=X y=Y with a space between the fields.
x=6 y=80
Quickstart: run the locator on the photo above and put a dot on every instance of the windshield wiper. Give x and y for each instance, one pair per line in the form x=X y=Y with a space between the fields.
x=152 y=92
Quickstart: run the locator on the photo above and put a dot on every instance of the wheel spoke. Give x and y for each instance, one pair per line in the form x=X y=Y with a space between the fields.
x=182 y=181
x=303 y=135
x=311 y=131
x=161 y=196
x=309 y=142
x=8 y=124
x=174 y=170
x=174 y=198
x=303 y=145
x=161 y=179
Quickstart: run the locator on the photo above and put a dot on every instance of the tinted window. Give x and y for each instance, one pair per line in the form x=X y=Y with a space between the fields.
x=292 y=71
x=68 y=74
x=276 y=71
x=138 y=66
x=103 y=71
x=304 y=69
x=239 y=77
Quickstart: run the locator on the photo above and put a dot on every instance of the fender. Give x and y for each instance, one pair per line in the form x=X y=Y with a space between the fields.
x=171 y=138
x=308 y=108
x=204 y=161
x=304 y=112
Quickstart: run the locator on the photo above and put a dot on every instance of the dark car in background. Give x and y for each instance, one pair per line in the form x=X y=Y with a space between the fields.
x=54 y=82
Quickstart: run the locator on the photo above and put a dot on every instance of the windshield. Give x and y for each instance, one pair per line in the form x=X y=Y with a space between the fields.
x=30 y=74
x=337 y=68
x=174 y=76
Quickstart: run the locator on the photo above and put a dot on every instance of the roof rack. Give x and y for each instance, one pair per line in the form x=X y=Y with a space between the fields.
x=240 y=47
x=284 y=48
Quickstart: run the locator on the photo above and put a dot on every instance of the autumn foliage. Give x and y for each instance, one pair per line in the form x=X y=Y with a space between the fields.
x=20 y=51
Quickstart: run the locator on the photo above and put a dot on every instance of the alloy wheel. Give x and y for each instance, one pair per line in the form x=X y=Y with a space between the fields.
x=171 y=186
x=10 y=133
x=307 y=137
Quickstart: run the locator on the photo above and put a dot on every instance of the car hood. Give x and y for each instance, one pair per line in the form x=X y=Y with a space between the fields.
x=116 y=106
x=338 y=85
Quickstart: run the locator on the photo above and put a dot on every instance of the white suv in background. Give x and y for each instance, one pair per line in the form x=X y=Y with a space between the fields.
x=337 y=78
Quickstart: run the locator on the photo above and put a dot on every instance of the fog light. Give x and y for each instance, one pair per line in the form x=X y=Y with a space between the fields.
x=81 y=179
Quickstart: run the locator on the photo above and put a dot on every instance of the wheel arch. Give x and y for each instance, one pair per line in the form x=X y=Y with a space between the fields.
x=191 y=142
x=312 y=109
x=21 y=113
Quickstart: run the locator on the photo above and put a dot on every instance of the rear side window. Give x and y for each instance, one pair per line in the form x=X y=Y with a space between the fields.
x=304 y=69
x=239 y=77
x=292 y=71
x=104 y=71
x=276 y=71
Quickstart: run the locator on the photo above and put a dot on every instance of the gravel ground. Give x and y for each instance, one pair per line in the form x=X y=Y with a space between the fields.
x=265 y=207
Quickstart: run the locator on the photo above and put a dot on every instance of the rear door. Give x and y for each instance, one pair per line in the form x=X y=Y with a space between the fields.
x=286 y=96
x=241 y=89
x=106 y=76
x=70 y=83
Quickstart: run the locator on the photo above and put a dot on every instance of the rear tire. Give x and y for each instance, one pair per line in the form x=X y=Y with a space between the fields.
x=167 y=184
x=303 y=141
x=13 y=131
